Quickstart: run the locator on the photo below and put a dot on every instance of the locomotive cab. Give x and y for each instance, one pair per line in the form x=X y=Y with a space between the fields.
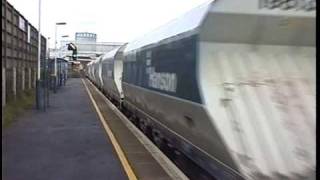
x=257 y=81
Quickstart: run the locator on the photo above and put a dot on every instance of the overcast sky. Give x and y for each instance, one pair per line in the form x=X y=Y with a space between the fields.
x=111 y=20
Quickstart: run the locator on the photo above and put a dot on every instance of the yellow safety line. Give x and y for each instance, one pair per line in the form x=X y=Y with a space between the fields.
x=114 y=141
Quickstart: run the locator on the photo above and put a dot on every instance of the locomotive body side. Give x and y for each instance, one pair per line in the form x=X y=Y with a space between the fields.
x=112 y=67
x=161 y=88
x=98 y=72
x=94 y=72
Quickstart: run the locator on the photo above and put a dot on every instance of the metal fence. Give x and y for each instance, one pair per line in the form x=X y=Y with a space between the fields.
x=19 y=53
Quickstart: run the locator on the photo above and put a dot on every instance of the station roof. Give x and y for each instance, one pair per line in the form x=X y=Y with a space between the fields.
x=58 y=59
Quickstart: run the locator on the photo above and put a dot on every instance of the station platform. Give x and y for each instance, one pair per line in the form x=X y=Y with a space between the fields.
x=80 y=136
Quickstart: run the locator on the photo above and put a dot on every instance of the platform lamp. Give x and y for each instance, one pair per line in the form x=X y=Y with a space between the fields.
x=38 y=82
x=61 y=48
x=47 y=82
x=61 y=51
x=55 y=57
x=48 y=47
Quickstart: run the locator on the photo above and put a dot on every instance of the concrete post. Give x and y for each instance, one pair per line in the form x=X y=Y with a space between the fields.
x=34 y=78
x=29 y=78
x=22 y=79
x=14 y=82
x=3 y=86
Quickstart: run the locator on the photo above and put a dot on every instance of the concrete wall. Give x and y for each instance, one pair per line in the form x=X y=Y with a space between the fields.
x=19 y=53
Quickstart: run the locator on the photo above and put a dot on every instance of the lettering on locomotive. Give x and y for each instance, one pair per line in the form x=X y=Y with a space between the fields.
x=163 y=81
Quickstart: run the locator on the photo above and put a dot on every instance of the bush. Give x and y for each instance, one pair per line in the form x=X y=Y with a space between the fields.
x=15 y=108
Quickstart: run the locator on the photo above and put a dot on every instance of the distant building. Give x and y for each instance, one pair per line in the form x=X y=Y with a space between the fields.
x=87 y=44
x=88 y=47
x=98 y=47
x=85 y=37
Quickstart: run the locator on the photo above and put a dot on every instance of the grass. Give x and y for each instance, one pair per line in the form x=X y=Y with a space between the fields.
x=15 y=108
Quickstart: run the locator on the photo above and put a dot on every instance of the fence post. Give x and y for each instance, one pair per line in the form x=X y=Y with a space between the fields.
x=14 y=83
x=29 y=78
x=34 y=78
x=23 y=79
x=3 y=86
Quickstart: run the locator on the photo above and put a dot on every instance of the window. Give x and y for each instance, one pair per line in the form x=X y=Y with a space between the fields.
x=9 y=14
x=22 y=23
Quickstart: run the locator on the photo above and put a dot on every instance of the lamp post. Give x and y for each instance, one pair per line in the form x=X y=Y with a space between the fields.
x=61 y=55
x=47 y=84
x=48 y=46
x=38 y=82
x=61 y=50
x=55 y=57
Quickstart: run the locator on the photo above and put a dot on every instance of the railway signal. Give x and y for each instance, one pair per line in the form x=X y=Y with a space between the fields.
x=72 y=47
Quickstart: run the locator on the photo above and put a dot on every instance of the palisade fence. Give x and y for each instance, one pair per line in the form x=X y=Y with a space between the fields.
x=19 y=53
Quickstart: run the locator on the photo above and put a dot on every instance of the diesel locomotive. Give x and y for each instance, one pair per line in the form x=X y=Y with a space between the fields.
x=230 y=84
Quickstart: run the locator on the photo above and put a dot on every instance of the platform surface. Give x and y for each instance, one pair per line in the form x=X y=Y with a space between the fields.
x=144 y=165
x=64 y=143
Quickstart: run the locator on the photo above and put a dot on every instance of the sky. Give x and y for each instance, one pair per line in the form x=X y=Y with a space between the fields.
x=111 y=20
